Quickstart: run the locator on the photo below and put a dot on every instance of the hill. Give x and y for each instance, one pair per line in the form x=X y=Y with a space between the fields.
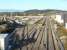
x=35 y=11
x=30 y=12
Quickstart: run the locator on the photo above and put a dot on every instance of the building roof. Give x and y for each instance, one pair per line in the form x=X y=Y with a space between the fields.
x=3 y=35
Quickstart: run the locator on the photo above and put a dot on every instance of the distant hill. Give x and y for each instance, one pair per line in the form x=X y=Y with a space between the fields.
x=30 y=12
x=35 y=11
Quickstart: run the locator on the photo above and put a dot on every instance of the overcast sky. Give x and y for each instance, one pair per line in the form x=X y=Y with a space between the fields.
x=33 y=4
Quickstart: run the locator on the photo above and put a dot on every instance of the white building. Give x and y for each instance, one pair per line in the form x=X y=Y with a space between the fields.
x=58 y=18
x=3 y=41
x=6 y=41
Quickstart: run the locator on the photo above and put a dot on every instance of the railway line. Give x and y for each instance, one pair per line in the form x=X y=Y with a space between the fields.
x=41 y=38
x=59 y=45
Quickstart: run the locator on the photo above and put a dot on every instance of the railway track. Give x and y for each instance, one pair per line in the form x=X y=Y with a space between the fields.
x=42 y=38
x=59 y=44
x=56 y=41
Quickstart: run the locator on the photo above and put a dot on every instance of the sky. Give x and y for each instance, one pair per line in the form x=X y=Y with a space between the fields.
x=33 y=4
